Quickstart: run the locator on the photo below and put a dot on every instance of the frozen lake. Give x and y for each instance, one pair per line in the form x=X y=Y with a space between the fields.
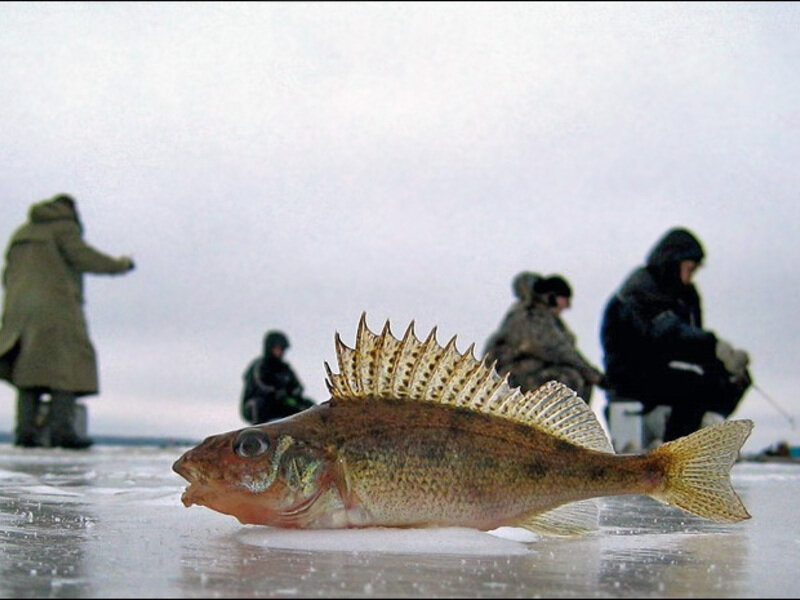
x=108 y=522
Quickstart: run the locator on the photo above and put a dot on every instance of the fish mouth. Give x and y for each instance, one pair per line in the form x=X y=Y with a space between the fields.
x=195 y=493
x=200 y=490
x=226 y=501
x=198 y=487
x=184 y=470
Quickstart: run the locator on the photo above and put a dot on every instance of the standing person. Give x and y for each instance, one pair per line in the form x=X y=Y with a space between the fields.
x=656 y=350
x=44 y=341
x=271 y=388
x=534 y=345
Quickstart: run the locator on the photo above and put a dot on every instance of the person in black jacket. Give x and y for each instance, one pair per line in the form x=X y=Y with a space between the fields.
x=656 y=350
x=271 y=388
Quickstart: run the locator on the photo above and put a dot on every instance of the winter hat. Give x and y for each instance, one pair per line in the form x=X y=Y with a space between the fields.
x=554 y=285
x=275 y=338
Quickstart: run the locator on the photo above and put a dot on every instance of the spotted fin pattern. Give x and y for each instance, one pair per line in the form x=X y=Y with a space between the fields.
x=382 y=367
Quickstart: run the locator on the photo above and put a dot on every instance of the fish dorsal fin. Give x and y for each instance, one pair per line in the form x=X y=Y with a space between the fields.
x=382 y=366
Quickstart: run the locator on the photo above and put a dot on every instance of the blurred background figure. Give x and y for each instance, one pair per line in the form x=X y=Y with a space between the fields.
x=500 y=345
x=271 y=388
x=534 y=345
x=657 y=353
x=45 y=350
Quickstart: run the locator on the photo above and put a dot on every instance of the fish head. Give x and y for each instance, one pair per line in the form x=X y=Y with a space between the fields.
x=260 y=475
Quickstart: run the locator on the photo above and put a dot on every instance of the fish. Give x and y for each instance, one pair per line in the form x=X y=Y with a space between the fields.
x=417 y=435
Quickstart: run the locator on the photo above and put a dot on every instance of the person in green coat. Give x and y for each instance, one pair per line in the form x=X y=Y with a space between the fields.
x=44 y=342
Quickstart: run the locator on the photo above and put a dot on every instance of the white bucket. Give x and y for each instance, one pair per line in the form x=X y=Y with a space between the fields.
x=625 y=425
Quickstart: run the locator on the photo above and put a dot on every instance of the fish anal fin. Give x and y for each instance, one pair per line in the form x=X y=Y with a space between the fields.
x=567 y=520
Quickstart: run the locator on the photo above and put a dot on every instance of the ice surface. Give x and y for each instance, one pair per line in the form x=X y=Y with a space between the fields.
x=108 y=522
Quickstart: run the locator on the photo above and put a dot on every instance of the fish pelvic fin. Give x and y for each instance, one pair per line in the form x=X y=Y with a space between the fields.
x=569 y=520
x=698 y=472
x=382 y=366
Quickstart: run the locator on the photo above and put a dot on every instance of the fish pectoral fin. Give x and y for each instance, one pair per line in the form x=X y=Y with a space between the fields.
x=575 y=518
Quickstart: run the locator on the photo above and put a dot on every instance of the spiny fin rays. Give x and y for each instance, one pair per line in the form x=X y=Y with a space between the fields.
x=382 y=367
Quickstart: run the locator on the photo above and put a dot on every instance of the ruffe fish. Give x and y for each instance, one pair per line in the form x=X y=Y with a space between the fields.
x=416 y=434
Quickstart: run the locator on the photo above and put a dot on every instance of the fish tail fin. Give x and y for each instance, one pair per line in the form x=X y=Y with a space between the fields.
x=697 y=477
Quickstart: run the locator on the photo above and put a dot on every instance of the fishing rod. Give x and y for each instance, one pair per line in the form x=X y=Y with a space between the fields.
x=775 y=404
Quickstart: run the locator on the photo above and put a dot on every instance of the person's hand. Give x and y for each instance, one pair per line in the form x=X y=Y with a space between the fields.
x=742 y=380
x=596 y=378
x=734 y=360
x=129 y=264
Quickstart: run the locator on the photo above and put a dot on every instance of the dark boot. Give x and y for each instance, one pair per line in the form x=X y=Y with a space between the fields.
x=27 y=433
x=62 y=422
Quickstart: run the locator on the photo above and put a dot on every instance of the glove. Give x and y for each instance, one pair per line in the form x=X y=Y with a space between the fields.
x=735 y=361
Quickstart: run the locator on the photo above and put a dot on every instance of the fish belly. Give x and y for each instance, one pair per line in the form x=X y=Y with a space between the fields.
x=415 y=464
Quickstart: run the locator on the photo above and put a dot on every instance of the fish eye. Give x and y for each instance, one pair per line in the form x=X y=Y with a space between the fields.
x=251 y=443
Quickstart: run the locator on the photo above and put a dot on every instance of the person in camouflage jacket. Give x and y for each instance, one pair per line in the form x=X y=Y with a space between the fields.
x=534 y=345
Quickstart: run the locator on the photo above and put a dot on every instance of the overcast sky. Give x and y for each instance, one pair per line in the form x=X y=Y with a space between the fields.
x=292 y=165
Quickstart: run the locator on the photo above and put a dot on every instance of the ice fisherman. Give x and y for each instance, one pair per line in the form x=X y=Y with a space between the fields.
x=657 y=352
x=272 y=390
x=534 y=345
x=44 y=342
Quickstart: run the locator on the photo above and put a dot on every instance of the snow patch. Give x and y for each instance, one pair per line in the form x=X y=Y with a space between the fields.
x=440 y=540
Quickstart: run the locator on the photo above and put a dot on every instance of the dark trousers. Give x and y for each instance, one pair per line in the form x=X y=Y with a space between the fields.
x=692 y=395
x=260 y=409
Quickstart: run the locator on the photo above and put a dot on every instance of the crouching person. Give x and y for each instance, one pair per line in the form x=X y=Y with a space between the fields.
x=657 y=352
x=271 y=388
x=534 y=345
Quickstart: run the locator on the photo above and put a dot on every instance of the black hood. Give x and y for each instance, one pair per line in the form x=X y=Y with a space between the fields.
x=676 y=245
